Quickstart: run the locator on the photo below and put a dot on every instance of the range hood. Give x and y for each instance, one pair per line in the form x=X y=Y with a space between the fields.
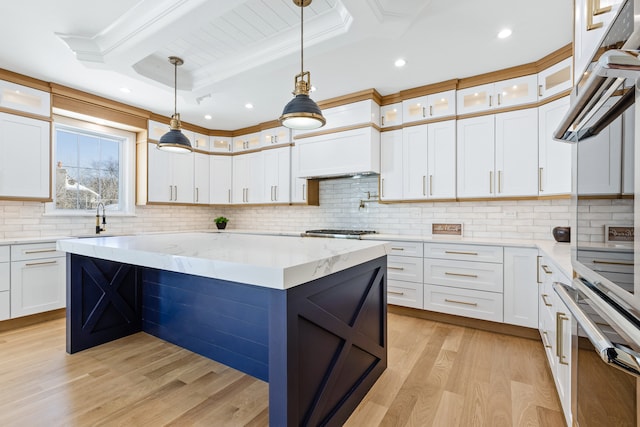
x=347 y=153
x=607 y=88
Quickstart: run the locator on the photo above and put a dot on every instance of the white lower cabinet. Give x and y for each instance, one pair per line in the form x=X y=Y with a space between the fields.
x=404 y=273
x=38 y=279
x=5 y=283
x=520 y=287
x=463 y=302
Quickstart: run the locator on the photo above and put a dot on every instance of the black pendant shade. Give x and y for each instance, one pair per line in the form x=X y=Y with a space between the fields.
x=302 y=113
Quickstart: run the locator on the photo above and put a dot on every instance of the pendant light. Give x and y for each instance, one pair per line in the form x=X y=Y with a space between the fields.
x=302 y=112
x=175 y=140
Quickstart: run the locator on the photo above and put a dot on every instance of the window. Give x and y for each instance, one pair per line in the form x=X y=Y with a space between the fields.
x=92 y=165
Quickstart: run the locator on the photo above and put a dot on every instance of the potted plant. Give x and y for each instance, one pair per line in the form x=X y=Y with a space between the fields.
x=221 y=222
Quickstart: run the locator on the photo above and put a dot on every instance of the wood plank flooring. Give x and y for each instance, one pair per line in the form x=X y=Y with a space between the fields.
x=438 y=375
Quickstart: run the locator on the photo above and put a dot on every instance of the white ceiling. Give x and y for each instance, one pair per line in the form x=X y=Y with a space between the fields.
x=240 y=51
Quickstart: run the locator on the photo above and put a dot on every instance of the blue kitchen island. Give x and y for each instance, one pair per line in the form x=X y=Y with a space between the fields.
x=307 y=315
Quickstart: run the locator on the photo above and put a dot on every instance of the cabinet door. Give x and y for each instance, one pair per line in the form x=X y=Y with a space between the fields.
x=160 y=188
x=23 y=98
x=477 y=98
x=476 y=157
x=414 y=147
x=554 y=157
x=220 y=144
x=201 y=142
x=279 y=135
x=441 y=159
x=391 y=165
x=201 y=179
x=442 y=104
x=37 y=286
x=522 y=90
x=246 y=142
x=25 y=170
x=277 y=179
x=520 y=287
x=391 y=115
x=555 y=79
x=601 y=156
x=298 y=185
x=255 y=178
x=240 y=178
x=415 y=109
x=220 y=185
x=182 y=177
x=517 y=153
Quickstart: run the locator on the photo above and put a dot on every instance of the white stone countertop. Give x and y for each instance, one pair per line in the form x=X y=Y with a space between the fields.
x=279 y=262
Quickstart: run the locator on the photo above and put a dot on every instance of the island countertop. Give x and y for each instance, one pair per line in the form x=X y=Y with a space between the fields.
x=277 y=262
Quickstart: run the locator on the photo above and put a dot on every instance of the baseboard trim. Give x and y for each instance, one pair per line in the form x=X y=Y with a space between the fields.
x=21 y=322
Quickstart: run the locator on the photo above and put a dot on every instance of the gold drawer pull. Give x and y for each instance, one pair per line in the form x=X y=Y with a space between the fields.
x=545 y=339
x=474 y=304
x=38 y=251
x=397 y=249
x=546 y=269
x=475 y=276
x=544 y=299
x=395 y=293
x=460 y=253
x=597 y=261
x=560 y=317
x=394 y=268
x=33 y=264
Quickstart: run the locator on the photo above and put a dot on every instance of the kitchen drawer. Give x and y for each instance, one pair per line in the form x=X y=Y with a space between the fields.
x=35 y=251
x=5 y=276
x=5 y=253
x=408 y=269
x=481 y=276
x=406 y=249
x=406 y=294
x=463 y=302
x=464 y=252
x=4 y=305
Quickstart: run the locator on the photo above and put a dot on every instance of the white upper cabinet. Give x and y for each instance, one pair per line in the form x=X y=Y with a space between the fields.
x=355 y=113
x=201 y=178
x=220 y=144
x=220 y=179
x=277 y=175
x=517 y=153
x=170 y=176
x=25 y=99
x=248 y=178
x=502 y=94
x=414 y=164
x=273 y=136
x=555 y=79
x=554 y=157
x=201 y=142
x=391 y=115
x=476 y=148
x=391 y=165
x=246 y=142
x=25 y=165
x=429 y=107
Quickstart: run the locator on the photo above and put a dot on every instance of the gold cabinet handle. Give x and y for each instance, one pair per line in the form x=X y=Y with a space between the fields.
x=381 y=187
x=473 y=304
x=431 y=110
x=382 y=120
x=229 y=194
x=540 y=173
x=389 y=267
x=538 y=258
x=461 y=253
x=38 y=251
x=540 y=90
x=499 y=98
x=431 y=185
x=424 y=185
x=397 y=249
x=424 y=111
x=560 y=317
x=547 y=269
x=544 y=299
x=499 y=181
x=475 y=276
x=490 y=100
x=594 y=9
x=490 y=182
x=597 y=261
x=395 y=293
x=545 y=339
x=304 y=191
x=34 y=264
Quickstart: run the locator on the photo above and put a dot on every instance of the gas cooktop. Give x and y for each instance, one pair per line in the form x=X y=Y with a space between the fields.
x=344 y=234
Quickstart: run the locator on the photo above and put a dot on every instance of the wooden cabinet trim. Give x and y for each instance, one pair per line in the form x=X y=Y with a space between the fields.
x=496 y=76
x=362 y=95
x=21 y=79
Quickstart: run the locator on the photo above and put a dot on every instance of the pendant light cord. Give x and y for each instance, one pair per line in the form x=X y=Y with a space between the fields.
x=175 y=89
x=301 y=37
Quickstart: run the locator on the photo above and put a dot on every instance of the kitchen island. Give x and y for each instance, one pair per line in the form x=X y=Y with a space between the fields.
x=307 y=315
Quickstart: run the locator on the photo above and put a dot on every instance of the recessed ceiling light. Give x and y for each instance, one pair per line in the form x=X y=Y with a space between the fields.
x=503 y=34
x=248 y=106
x=400 y=63
x=208 y=116
x=125 y=90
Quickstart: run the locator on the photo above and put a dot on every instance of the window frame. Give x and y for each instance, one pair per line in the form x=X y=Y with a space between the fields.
x=126 y=165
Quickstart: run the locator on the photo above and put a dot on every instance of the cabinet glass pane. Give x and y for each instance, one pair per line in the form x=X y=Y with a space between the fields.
x=476 y=99
x=390 y=116
x=202 y=142
x=18 y=98
x=510 y=93
x=440 y=105
x=416 y=110
x=218 y=144
x=557 y=78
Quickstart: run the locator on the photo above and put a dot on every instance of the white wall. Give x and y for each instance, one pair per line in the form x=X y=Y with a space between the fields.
x=339 y=201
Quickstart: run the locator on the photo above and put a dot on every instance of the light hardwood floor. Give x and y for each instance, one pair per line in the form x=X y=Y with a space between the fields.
x=438 y=375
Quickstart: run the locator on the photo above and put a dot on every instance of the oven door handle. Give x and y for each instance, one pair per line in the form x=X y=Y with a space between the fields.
x=617 y=356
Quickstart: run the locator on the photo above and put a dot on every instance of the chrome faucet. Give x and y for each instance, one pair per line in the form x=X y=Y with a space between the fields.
x=104 y=219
